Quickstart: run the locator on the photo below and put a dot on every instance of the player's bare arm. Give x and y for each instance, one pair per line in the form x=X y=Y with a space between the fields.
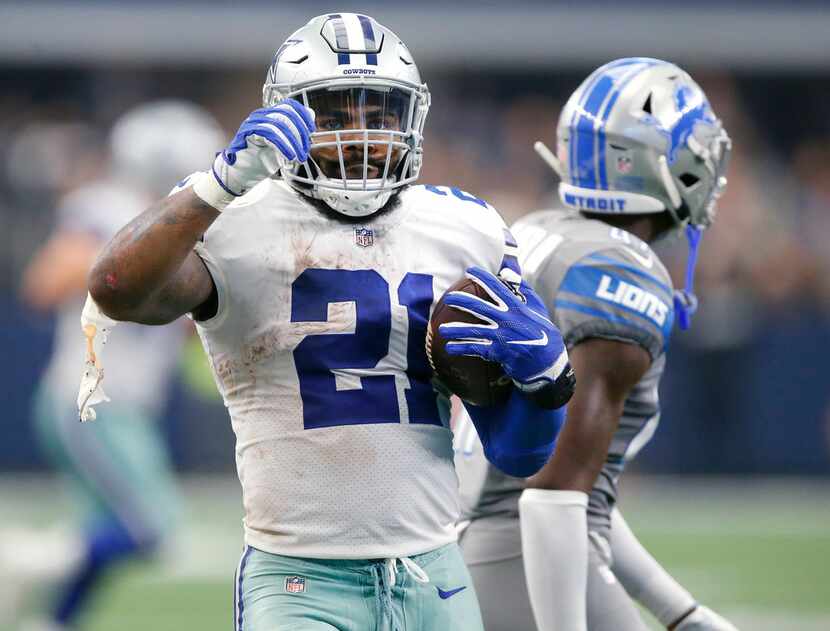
x=149 y=273
x=606 y=370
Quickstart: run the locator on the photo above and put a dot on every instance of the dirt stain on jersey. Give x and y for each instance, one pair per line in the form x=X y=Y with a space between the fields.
x=224 y=372
x=261 y=348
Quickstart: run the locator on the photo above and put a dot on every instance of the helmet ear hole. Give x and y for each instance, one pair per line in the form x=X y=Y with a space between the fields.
x=689 y=179
x=647 y=104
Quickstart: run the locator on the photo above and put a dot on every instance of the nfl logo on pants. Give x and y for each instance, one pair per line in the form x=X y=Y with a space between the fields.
x=295 y=584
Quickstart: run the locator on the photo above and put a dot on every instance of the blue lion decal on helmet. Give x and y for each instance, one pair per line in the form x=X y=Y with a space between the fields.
x=692 y=108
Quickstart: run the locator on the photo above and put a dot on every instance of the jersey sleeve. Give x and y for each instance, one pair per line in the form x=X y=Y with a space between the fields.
x=471 y=222
x=510 y=256
x=508 y=247
x=607 y=295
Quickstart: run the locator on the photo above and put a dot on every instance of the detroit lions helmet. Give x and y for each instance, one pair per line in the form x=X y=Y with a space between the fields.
x=637 y=137
x=370 y=107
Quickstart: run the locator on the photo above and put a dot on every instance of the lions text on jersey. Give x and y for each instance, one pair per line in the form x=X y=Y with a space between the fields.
x=343 y=450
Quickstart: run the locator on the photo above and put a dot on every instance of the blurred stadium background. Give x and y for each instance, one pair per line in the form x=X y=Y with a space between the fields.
x=732 y=494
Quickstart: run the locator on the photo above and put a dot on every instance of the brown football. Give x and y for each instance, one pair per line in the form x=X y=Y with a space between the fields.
x=472 y=379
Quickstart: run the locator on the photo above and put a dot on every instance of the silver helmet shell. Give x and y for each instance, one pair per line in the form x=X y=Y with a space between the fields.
x=639 y=136
x=341 y=52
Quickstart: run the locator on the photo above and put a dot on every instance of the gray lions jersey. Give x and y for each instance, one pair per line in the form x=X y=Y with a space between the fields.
x=317 y=347
x=598 y=282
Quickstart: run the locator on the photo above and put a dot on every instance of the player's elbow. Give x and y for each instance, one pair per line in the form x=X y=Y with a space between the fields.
x=111 y=298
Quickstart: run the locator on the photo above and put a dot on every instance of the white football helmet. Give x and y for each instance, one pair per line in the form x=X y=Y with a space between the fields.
x=370 y=107
x=638 y=136
x=157 y=143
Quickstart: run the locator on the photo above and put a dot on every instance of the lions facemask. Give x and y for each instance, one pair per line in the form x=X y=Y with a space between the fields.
x=370 y=107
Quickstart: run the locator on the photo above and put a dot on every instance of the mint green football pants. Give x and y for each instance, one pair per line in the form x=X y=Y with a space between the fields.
x=282 y=593
x=116 y=467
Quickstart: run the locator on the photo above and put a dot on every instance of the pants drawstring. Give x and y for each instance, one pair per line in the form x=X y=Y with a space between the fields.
x=411 y=568
x=379 y=604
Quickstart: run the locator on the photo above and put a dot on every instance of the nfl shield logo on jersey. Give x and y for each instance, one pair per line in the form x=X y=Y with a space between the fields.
x=295 y=584
x=364 y=237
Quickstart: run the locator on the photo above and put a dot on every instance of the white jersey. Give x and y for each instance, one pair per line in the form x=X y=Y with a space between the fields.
x=318 y=349
x=140 y=360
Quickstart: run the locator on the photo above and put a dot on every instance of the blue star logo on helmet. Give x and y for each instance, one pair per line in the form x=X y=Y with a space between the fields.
x=692 y=108
x=276 y=59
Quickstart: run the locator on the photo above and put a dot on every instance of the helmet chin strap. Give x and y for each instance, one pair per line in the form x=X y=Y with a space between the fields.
x=354 y=202
x=685 y=301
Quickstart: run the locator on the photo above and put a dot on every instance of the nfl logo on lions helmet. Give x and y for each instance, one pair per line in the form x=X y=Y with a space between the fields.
x=624 y=164
x=364 y=237
x=295 y=584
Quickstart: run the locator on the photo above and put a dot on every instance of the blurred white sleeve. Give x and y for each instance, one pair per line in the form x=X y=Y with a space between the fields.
x=555 y=550
x=95 y=327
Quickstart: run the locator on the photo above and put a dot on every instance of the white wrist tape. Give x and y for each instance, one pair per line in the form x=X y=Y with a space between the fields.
x=210 y=190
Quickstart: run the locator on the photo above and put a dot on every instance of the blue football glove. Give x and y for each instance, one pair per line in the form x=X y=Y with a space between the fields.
x=515 y=333
x=266 y=140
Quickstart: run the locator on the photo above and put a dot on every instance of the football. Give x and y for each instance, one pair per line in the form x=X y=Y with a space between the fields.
x=472 y=379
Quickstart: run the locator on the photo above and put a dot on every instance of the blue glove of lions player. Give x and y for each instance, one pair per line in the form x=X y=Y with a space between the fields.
x=268 y=138
x=516 y=333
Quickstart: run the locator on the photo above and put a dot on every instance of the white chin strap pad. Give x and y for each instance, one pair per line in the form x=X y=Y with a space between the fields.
x=555 y=549
x=355 y=203
x=346 y=197
x=610 y=202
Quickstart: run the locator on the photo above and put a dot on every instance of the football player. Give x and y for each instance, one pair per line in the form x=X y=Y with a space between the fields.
x=118 y=470
x=310 y=262
x=640 y=154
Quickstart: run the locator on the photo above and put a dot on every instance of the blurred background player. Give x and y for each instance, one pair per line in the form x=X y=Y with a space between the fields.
x=117 y=469
x=640 y=154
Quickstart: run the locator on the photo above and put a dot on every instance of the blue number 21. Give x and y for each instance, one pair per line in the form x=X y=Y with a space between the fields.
x=319 y=358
